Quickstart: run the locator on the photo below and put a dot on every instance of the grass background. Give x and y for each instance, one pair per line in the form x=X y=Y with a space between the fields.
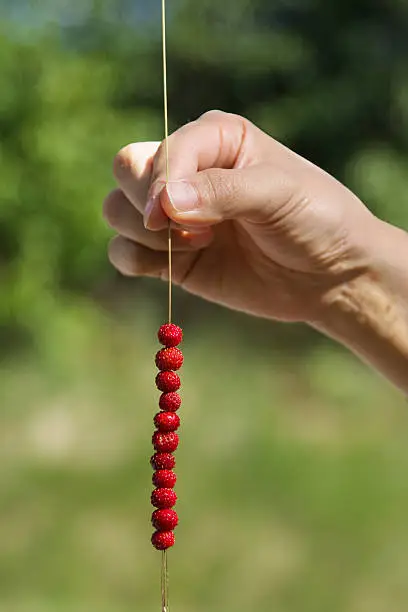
x=292 y=475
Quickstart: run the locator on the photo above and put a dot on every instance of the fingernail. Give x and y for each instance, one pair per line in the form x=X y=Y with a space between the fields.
x=182 y=195
x=148 y=210
x=153 y=199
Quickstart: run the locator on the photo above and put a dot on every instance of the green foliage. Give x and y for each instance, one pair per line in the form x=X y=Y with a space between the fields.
x=329 y=80
x=59 y=135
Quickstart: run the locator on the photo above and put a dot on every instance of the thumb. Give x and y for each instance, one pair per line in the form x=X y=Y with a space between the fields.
x=216 y=195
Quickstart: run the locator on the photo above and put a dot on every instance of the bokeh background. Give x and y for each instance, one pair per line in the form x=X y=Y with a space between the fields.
x=293 y=464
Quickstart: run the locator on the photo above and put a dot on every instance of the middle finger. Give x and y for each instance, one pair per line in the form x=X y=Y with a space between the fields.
x=122 y=216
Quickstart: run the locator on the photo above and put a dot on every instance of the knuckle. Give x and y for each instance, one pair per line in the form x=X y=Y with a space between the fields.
x=122 y=162
x=213 y=115
x=135 y=161
x=219 y=190
x=212 y=184
x=219 y=116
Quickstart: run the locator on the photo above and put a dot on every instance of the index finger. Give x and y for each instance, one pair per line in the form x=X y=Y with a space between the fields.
x=215 y=140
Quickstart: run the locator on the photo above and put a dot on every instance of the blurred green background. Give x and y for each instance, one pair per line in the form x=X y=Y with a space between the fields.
x=293 y=494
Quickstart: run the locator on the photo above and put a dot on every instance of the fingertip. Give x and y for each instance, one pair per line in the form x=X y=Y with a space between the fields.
x=132 y=259
x=196 y=240
x=154 y=218
x=122 y=255
x=110 y=207
x=135 y=158
x=191 y=229
x=106 y=205
x=182 y=204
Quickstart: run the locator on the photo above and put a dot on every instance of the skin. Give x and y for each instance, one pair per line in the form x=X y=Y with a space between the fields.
x=259 y=229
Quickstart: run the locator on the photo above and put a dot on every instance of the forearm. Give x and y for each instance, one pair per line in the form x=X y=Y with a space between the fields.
x=369 y=315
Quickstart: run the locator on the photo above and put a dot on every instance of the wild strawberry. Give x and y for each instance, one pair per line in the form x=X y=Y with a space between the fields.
x=169 y=359
x=163 y=498
x=163 y=461
x=170 y=334
x=165 y=439
x=164 y=479
x=168 y=381
x=165 y=442
x=164 y=520
x=167 y=421
x=163 y=539
x=170 y=402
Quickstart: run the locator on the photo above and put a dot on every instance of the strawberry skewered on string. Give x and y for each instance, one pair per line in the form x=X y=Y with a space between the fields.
x=165 y=439
x=168 y=360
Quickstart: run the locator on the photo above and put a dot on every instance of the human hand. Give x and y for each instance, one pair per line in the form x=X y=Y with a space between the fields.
x=257 y=228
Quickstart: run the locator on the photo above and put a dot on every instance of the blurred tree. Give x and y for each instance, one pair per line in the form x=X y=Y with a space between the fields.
x=59 y=133
x=328 y=79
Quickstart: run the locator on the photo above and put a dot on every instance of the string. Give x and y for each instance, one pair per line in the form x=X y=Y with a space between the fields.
x=164 y=583
x=164 y=571
x=166 y=145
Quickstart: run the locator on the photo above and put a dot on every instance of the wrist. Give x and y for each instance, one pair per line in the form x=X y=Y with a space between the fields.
x=369 y=313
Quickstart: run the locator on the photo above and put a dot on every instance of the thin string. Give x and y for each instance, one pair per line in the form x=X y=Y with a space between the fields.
x=166 y=144
x=164 y=583
x=164 y=570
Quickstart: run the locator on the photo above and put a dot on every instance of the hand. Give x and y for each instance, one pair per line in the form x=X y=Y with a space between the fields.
x=257 y=228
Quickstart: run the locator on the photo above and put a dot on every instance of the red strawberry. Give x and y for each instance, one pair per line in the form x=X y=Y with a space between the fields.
x=165 y=442
x=163 y=539
x=162 y=461
x=164 y=520
x=164 y=478
x=170 y=402
x=168 y=381
x=163 y=498
x=167 y=421
x=169 y=359
x=170 y=334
